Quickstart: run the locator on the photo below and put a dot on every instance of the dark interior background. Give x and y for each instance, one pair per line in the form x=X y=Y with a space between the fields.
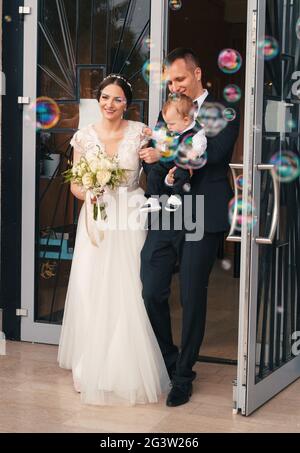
x=209 y=26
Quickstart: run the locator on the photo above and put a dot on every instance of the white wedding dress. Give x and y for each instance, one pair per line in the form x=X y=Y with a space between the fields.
x=107 y=340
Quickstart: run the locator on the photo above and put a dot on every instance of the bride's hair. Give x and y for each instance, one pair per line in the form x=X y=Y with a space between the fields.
x=121 y=81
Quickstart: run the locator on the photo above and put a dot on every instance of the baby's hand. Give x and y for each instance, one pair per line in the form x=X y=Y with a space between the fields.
x=93 y=199
x=170 y=177
x=147 y=132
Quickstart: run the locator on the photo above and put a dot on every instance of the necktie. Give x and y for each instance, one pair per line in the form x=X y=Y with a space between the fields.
x=196 y=109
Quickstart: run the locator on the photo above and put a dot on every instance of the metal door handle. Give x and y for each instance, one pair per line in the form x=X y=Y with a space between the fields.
x=269 y=240
x=231 y=237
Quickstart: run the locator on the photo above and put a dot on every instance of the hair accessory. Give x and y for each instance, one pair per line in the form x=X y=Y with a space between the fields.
x=118 y=76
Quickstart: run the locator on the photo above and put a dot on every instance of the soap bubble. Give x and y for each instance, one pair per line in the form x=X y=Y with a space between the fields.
x=226 y=265
x=47 y=112
x=232 y=93
x=158 y=72
x=230 y=61
x=148 y=43
x=175 y=5
x=287 y=166
x=240 y=182
x=268 y=48
x=242 y=215
x=165 y=142
x=212 y=119
x=229 y=114
x=187 y=157
x=298 y=28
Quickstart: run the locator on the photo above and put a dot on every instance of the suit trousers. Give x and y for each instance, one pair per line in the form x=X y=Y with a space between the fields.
x=161 y=251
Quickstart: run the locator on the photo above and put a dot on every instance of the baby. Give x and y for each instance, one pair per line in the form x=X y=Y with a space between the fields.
x=178 y=114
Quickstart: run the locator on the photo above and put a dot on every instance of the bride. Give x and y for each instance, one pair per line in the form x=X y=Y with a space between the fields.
x=107 y=340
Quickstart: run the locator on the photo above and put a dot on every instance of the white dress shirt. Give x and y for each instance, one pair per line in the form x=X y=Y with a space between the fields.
x=200 y=100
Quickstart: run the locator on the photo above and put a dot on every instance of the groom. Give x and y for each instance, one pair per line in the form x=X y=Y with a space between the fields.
x=163 y=249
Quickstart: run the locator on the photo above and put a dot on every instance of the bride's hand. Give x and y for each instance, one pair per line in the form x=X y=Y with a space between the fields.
x=149 y=155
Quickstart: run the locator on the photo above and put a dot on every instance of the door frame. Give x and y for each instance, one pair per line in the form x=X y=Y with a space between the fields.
x=159 y=23
x=11 y=174
x=240 y=392
x=30 y=330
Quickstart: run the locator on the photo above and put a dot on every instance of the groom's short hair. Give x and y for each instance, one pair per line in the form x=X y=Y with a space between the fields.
x=186 y=54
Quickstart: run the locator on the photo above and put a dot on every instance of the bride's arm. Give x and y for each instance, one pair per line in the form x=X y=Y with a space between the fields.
x=77 y=190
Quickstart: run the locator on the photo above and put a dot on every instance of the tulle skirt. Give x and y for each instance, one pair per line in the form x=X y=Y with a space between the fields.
x=107 y=340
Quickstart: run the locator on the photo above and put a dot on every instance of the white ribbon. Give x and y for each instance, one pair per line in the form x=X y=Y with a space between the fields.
x=96 y=234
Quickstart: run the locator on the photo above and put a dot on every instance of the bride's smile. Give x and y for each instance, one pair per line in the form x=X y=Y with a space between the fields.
x=112 y=102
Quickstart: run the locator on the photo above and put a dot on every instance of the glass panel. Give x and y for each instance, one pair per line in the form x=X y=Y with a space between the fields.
x=89 y=78
x=58 y=212
x=57 y=46
x=278 y=314
x=79 y=42
x=129 y=46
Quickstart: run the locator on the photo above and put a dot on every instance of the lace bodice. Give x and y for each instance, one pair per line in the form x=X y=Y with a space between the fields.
x=85 y=139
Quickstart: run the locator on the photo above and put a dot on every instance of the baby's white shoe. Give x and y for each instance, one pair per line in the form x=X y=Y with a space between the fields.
x=151 y=205
x=174 y=202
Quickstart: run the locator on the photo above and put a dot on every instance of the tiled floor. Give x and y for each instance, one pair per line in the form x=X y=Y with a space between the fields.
x=221 y=336
x=37 y=396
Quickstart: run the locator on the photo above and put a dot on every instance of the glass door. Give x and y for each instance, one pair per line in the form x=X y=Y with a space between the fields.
x=269 y=327
x=69 y=46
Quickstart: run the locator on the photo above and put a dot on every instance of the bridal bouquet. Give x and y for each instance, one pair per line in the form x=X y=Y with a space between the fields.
x=94 y=172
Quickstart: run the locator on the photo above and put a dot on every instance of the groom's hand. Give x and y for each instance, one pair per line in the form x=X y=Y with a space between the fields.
x=149 y=155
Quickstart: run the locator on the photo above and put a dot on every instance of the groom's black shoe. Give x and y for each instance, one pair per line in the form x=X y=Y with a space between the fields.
x=179 y=395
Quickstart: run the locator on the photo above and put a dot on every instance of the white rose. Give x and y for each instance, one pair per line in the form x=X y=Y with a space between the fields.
x=87 y=181
x=103 y=177
x=81 y=169
x=105 y=164
x=94 y=165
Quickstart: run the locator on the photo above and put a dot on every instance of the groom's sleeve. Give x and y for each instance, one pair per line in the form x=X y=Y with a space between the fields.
x=147 y=167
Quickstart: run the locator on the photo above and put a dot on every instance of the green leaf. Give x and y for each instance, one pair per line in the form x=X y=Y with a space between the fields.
x=95 y=211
